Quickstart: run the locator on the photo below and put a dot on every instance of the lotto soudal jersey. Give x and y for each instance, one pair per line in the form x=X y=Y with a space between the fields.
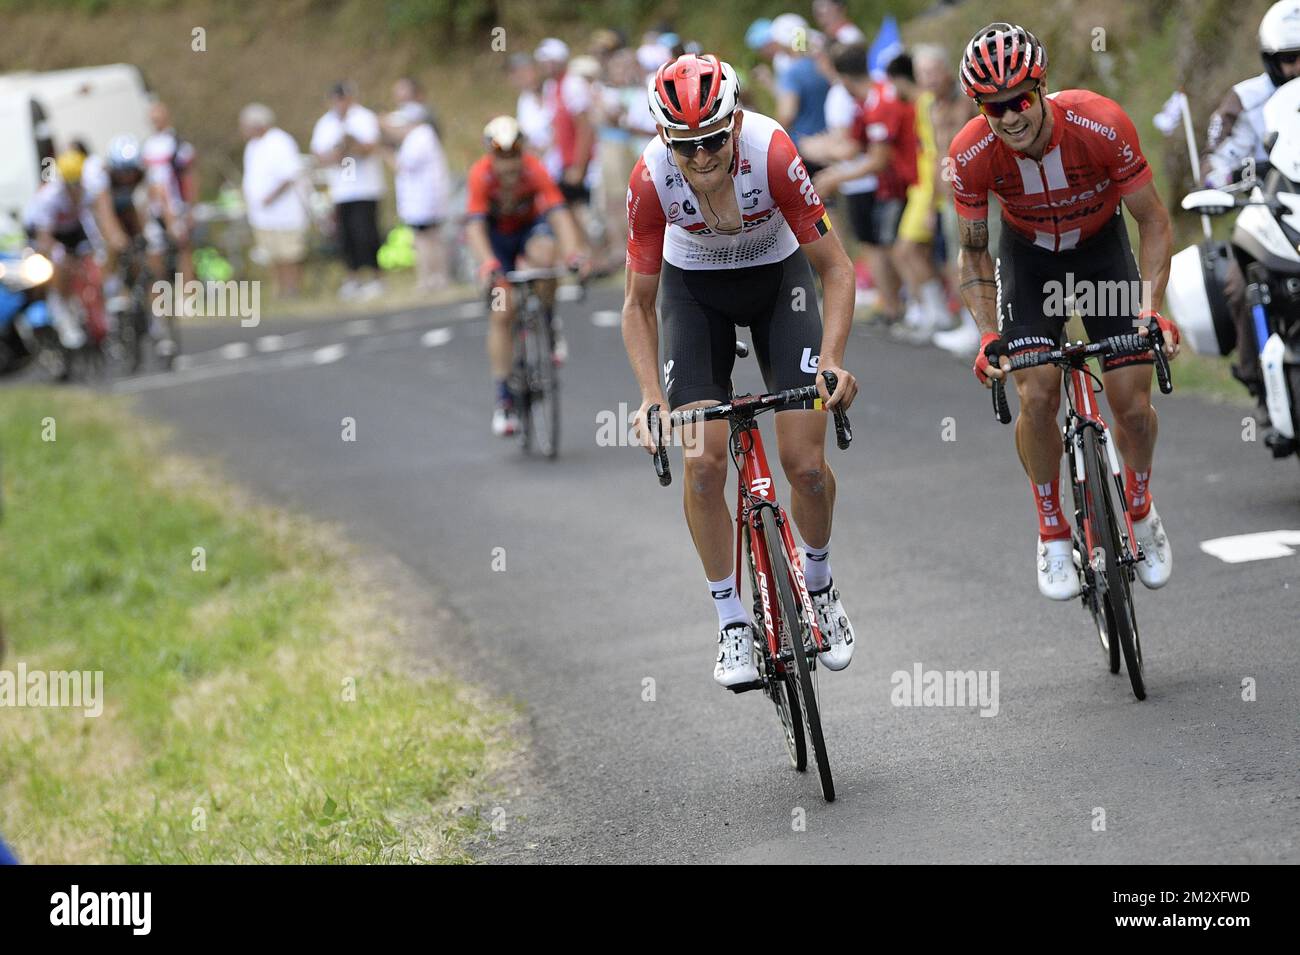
x=778 y=206
x=1091 y=162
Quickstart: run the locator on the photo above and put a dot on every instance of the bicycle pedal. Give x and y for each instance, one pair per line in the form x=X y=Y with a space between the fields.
x=746 y=687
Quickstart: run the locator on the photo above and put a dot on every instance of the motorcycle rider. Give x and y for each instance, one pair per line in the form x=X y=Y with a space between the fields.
x=1237 y=133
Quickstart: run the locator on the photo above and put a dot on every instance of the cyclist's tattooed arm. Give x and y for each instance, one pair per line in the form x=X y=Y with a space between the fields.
x=979 y=288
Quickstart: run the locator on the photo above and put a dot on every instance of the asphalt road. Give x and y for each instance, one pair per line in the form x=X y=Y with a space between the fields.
x=933 y=551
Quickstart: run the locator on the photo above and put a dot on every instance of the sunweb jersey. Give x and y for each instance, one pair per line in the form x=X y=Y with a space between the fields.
x=1064 y=198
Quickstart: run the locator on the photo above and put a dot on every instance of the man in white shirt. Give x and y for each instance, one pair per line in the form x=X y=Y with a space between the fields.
x=345 y=141
x=423 y=186
x=530 y=112
x=273 y=197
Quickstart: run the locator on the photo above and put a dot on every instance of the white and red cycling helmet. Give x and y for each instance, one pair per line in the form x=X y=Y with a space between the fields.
x=999 y=57
x=693 y=91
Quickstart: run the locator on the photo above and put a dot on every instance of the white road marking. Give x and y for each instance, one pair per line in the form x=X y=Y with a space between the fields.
x=435 y=337
x=271 y=343
x=1241 y=548
x=568 y=293
x=606 y=318
x=235 y=350
x=328 y=354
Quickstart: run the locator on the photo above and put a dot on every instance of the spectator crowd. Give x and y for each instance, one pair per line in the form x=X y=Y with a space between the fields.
x=871 y=119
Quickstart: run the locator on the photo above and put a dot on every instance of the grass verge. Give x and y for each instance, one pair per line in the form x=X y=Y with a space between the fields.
x=263 y=708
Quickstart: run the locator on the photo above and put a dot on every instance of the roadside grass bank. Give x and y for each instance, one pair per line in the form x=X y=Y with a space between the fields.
x=261 y=701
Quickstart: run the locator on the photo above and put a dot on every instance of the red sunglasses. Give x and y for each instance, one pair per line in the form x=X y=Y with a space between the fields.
x=1017 y=104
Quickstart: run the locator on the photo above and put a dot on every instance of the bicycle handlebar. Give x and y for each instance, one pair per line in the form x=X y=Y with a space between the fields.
x=748 y=404
x=524 y=276
x=1074 y=356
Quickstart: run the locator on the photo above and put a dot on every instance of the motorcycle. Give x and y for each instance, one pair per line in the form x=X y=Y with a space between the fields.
x=26 y=326
x=1266 y=244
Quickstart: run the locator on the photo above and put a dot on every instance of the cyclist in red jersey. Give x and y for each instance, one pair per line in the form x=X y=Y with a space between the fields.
x=1061 y=164
x=515 y=212
x=726 y=229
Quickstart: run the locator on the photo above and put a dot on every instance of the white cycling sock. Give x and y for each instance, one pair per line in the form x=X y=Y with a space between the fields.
x=726 y=601
x=817 y=567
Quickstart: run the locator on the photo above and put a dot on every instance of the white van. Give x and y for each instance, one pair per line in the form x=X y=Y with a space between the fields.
x=91 y=104
x=26 y=136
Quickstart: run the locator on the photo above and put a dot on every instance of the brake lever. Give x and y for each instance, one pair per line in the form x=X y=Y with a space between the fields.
x=1001 y=410
x=662 y=468
x=843 y=430
x=1161 y=359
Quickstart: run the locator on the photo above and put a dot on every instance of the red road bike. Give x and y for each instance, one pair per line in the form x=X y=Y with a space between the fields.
x=1103 y=529
x=787 y=658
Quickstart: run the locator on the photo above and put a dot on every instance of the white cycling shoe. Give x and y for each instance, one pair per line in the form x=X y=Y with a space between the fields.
x=835 y=627
x=735 y=666
x=504 y=422
x=1158 y=558
x=1058 y=577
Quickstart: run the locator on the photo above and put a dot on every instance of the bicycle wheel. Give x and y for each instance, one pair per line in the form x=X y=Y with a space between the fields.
x=1084 y=509
x=540 y=413
x=777 y=683
x=1121 y=618
x=133 y=333
x=794 y=628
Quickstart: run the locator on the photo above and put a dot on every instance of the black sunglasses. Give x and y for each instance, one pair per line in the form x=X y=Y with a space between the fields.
x=710 y=144
x=1289 y=57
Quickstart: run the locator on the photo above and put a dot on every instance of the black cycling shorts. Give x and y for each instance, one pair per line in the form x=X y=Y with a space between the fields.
x=1034 y=285
x=700 y=309
x=861 y=207
x=71 y=238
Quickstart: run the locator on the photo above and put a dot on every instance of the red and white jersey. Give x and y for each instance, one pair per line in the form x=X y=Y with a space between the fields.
x=1092 y=161
x=778 y=206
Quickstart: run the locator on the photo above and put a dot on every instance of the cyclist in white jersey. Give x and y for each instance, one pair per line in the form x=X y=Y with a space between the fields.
x=723 y=222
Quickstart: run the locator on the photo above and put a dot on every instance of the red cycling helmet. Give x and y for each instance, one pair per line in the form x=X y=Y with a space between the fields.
x=1000 y=56
x=693 y=91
